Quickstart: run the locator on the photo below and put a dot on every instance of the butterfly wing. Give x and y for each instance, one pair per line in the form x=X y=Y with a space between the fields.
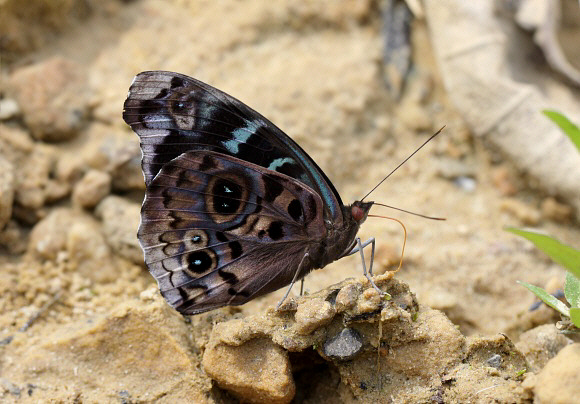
x=217 y=230
x=173 y=113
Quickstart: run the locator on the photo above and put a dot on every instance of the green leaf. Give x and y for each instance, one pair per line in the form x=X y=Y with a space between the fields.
x=567 y=127
x=560 y=253
x=572 y=290
x=575 y=316
x=547 y=298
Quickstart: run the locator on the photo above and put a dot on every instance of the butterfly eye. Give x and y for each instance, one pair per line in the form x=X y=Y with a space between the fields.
x=357 y=213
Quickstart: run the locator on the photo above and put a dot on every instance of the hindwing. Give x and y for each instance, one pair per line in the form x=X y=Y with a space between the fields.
x=217 y=230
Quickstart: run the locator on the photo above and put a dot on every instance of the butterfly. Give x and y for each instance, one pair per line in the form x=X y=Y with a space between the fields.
x=233 y=207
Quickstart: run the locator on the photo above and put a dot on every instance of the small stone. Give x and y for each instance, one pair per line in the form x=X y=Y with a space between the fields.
x=8 y=109
x=559 y=380
x=14 y=237
x=32 y=180
x=257 y=371
x=120 y=222
x=347 y=297
x=88 y=252
x=369 y=301
x=503 y=181
x=554 y=210
x=53 y=97
x=540 y=344
x=48 y=238
x=494 y=361
x=525 y=213
x=312 y=314
x=467 y=184
x=93 y=187
x=344 y=346
x=6 y=191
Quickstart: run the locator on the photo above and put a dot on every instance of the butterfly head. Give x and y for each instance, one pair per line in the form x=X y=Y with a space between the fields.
x=359 y=210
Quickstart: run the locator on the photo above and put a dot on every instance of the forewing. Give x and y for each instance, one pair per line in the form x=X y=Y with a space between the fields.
x=173 y=113
x=220 y=231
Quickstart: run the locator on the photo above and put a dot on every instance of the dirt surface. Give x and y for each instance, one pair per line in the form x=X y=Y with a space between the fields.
x=80 y=317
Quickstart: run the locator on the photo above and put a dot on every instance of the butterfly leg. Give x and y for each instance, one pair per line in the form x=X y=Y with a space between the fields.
x=302 y=262
x=360 y=248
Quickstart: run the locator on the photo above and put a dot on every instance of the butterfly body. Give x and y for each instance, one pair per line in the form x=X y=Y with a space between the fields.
x=234 y=208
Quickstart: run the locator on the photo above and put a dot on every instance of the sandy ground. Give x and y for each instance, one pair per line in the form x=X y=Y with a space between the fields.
x=69 y=249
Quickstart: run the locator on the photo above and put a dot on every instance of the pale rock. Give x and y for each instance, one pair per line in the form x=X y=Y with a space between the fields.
x=91 y=189
x=312 y=314
x=257 y=371
x=120 y=219
x=8 y=109
x=88 y=252
x=50 y=236
x=6 y=191
x=540 y=344
x=53 y=97
x=527 y=214
x=347 y=297
x=559 y=380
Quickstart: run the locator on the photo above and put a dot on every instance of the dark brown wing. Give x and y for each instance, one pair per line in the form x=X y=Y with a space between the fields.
x=220 y=231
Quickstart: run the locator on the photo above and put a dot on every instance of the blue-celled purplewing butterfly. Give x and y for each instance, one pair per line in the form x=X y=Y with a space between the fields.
x=234 y=208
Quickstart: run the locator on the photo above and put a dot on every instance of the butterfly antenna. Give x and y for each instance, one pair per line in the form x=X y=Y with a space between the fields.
x=404 y=239
x=403 y=162
x=409 y=212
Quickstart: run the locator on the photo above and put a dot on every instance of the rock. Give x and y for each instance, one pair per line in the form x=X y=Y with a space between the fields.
x=34 y=183
x=474 y=380
x=49 y=236
x=347 y=297
x=525 y=213
x=33 y=179
x=257 y=371
x=8 y=109
x=34 y=25
x=120 y=222
x=53 y=97
x=6 y=191
x=541 y=344
x=88 y=252
x=369 y=301
x=399 y=351
x=313 y=314
x=103 y=148
x=346 y=345
x=494 y=361
x=554 y=210
x=98 y=358
x=93 y=187
x=559 y=380
x=14 y=238
x=503 y=181
x=126 y=166
x=436 y=345
x=78 y=236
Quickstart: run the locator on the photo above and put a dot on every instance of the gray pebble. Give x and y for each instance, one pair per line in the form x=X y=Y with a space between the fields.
x=494 y=361
x=344 y=346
